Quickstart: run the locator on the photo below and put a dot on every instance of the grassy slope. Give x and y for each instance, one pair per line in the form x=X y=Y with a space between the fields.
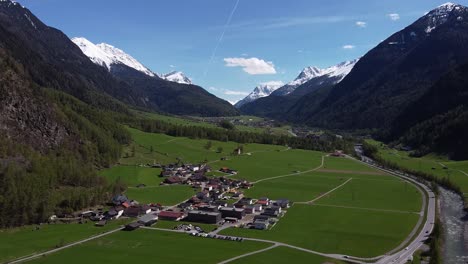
x=18 y=242
x=338 y=230
x=285 y=255
x=152 y=246
x=165 y=195
x=429 y=164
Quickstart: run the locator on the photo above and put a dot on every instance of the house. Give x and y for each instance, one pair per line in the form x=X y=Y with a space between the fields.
x=133 y=211
x=261 y=217
x=203 y=217
x=145 y=209
x=238 y=213
x=209 y=208
x=250 y=209
x=132 y=226
x=263 y=201
x=220 y=203
x=261 y=224
x=271 y=211
x=173 y=180
x=337 y=153
x=170 y=215
x=148 y=219
x=119 y=199
x=283 y=203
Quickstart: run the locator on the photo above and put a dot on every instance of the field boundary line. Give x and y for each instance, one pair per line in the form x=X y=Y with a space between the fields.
x=325 y=194
x=368 y=209
x=48 y=252
x=248 y=254
x=292 y=174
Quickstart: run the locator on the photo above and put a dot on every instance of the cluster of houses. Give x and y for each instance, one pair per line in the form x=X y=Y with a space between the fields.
x=183 y=174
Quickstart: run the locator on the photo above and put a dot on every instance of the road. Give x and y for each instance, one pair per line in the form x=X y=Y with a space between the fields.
x=406 y=253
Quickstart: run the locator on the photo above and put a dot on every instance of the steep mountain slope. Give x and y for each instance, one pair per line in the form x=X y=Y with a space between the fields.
x=260 y=91
x=438 y=121
x=172 y=97
x=393 y=75
x=311 y=79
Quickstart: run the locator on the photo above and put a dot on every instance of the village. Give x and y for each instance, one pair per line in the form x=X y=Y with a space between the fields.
x=218 y=201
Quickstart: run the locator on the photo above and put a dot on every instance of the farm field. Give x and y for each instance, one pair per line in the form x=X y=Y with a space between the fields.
x=389 y=193
x=337 y=230
x=297 y=188
x=18 y=242
x=148 y=245
x=285 y=255
x=457 y=171
x=133 y=175
x=165 y=194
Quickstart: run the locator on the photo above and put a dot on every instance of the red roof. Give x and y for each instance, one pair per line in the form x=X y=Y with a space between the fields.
x=262 y=202
x=170 y=214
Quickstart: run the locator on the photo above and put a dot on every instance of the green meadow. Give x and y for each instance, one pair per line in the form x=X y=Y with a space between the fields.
x=456 y=171
x=154 y=247
x=23 y=241
x=337 y=230
x=285 y=255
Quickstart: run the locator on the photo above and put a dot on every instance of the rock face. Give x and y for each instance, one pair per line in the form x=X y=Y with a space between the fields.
x=25 y=116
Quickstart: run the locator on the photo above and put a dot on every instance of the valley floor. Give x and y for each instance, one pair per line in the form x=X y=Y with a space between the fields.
x=339 y=207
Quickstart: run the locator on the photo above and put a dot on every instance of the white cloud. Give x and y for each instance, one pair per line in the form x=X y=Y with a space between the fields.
x=172 y=66
x=348 y=47
x=252 y=66
x=231 y=92
x=273 y=83
x=361 y=24
x=211 y=88
x=394 y=16
x=244 y=54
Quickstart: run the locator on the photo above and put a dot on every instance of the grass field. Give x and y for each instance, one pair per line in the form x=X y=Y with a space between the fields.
x=18 y=242
x=337 y=230
x=457 y=171
x=133 y=175
x=165 y=195
x=297 y=188
x=285 y=255
x=152 y=247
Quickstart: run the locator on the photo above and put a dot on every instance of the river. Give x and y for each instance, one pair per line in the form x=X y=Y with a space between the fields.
x=455 y=227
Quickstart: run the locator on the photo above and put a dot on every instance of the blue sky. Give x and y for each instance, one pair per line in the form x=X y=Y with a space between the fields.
x=265 y=40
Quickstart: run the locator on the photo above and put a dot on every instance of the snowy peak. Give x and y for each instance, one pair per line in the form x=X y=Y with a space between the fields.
x=176 y=76
x=106 y=55
x=260 y=91
x=336 y=72
x=441 y=15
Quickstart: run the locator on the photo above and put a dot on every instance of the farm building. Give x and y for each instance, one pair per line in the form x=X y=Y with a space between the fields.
x=204 y=217
x=170 y=215
x=148 y=219
x=238 y=213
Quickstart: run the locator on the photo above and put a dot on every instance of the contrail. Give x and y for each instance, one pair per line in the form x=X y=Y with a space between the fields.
x=228 y=22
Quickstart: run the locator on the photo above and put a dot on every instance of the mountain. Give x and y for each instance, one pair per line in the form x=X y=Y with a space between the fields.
x=260 y=91
x=327 y=76
x=392 y=76
x=309 y=80
x=170 y=93
x=176 y=76
x=106 y=55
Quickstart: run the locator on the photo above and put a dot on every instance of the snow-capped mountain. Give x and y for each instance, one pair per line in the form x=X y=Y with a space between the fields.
x=441 y=14
x=106 y=55
x=260 y=91
x=176 y=76
x=334 y=73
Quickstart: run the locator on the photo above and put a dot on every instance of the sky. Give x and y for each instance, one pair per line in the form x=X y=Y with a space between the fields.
x=230 y=46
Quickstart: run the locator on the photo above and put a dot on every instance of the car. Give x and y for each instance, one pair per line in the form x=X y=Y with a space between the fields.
x=406 y=248
x=346 y=257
